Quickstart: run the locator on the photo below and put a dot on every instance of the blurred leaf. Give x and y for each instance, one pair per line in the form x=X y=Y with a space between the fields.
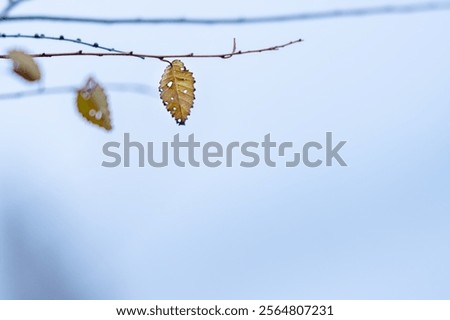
x=177 y=91
x=24 y=65
x=93 y=104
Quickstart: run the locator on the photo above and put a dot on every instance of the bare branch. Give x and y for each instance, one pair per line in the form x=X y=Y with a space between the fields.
x=9 y=7
x=358 y=12
x=120 y=87
x=61 y=38
x=159 y=57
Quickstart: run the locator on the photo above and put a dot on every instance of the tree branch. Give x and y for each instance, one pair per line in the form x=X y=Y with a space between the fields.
x=160 y=57
x=61 y=38
x=120 y=87
x=9 y=7
x=358 y=12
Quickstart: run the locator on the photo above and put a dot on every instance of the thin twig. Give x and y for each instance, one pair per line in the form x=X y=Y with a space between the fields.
x=339 y=13
x=9 y=7
x=62 y=38
x=120 y=87
x=159 y=57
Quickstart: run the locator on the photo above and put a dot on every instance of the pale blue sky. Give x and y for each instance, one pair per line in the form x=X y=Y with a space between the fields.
x=378 y=229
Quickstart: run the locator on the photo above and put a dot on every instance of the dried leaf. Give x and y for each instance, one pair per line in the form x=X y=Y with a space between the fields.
x=177 y=91
x=93 y=104
x=24 y=65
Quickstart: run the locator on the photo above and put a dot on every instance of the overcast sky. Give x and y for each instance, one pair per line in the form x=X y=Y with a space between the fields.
x=377 y=229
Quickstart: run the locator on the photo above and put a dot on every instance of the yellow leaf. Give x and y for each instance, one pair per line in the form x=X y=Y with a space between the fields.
x=93 y=104
x=24 y=65
x=177 y=91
